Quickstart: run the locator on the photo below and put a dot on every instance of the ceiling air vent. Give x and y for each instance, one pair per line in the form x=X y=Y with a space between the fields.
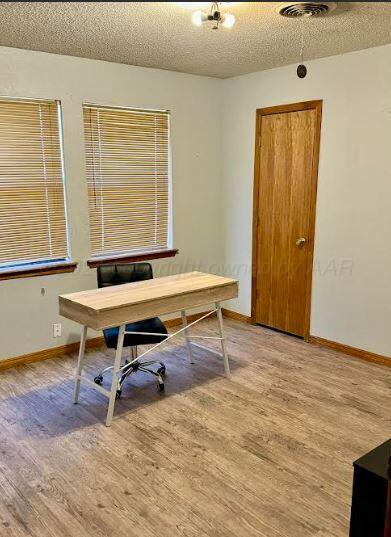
x=306 y=9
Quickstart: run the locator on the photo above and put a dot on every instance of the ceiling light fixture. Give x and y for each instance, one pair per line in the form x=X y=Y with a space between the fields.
x=214 y=18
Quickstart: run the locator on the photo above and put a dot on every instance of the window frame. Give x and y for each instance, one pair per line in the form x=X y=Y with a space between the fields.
x=134 y=255
x=30 y=268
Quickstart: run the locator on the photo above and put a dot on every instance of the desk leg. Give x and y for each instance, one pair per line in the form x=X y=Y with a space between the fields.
x=114 y=381
x=223 y=346
x=184 y=323
x=80 y=362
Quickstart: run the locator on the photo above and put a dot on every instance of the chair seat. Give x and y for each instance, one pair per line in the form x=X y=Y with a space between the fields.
x=154 y=325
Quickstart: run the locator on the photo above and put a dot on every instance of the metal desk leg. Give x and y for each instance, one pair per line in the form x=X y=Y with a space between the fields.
x=186 y=330
x=223 y=346
x=114 y=381
x=80 y=362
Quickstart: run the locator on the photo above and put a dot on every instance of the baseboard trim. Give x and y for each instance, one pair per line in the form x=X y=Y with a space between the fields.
x=351 y=351
x=92 y=343
x=236 y=316
x=96 y=342
x=46 y=354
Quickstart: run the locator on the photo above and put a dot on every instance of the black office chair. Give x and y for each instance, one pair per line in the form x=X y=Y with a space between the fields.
x=116 y=275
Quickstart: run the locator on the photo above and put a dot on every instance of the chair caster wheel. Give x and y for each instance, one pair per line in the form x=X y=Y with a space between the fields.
x=162 y=370
x=98 y=379
x=118 y=394
x=160 y=386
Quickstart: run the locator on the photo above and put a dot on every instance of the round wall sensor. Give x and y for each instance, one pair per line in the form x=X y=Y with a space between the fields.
x=301 y=71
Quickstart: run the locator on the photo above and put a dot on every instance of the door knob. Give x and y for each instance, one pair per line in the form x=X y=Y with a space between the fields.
x=301 y=241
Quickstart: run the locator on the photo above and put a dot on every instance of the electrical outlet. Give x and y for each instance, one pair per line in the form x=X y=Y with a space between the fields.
x=57 y=330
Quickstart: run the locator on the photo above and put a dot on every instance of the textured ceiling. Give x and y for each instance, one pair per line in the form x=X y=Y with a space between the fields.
x=161 y=34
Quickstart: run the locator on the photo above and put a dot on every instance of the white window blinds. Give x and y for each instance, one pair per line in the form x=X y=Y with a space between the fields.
x=32 y=207
x=127 y=155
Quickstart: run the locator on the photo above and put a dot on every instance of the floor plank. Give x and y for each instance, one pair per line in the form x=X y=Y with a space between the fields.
x=266 y=454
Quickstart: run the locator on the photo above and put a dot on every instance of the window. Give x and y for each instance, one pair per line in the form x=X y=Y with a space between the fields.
x=32 y=206
x=128 y=162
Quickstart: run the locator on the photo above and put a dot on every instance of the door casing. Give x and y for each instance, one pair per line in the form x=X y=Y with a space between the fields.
x=295 y=107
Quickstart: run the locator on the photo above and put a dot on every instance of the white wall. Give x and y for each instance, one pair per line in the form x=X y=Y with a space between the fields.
x=212 y=219
x=26 y=316
x=353 y=219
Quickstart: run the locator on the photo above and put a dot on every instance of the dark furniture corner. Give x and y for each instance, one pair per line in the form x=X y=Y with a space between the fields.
x=370 y=514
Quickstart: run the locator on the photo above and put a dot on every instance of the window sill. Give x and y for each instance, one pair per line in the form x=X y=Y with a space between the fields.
x=38 y=270
x=131 y=258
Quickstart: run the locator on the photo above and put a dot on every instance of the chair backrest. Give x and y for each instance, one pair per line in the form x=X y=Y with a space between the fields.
x=119 y=274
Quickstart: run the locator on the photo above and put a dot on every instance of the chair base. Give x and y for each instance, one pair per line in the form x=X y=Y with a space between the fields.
x=133 y=367
x=143 y=366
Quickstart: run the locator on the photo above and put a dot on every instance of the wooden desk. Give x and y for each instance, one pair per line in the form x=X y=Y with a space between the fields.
x=122 y=304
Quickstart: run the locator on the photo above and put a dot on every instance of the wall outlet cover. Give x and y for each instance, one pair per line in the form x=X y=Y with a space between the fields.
x=57 y=330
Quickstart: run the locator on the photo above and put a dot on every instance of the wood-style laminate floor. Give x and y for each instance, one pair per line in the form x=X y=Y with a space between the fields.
x=268 y=453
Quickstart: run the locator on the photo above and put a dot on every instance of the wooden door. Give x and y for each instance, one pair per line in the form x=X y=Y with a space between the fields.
x=285 y=179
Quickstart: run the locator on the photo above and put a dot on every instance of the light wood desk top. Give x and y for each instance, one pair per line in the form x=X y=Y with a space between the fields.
x=112 y=306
